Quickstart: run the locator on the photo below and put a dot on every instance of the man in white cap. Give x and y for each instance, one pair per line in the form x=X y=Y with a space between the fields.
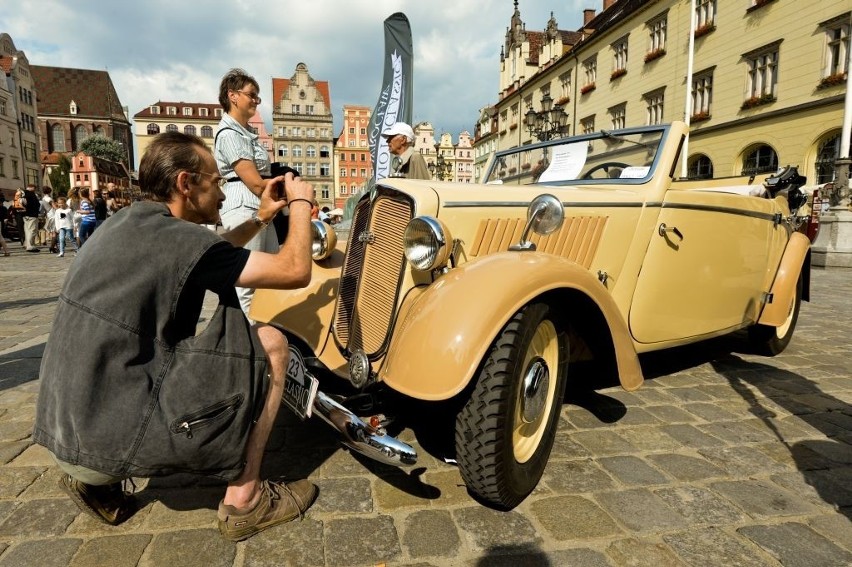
x=407 y=163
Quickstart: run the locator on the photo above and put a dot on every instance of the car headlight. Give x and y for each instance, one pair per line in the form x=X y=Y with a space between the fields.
x=427 y=243
x=324 y=240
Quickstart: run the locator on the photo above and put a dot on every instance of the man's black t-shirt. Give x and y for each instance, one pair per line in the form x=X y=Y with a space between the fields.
x=217 y=271
x=33 y=205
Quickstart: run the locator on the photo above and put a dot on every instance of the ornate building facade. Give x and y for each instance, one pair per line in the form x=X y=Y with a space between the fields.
x=74 y=104
x=302 y=126
x=197 y=118
x=771 y=97
x=20 y=160
x=352 y=158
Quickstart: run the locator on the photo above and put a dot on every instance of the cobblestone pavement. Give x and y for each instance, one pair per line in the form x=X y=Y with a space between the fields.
x=721 y=458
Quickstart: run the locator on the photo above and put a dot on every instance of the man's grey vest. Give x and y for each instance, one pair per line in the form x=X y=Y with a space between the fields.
x=125 y=387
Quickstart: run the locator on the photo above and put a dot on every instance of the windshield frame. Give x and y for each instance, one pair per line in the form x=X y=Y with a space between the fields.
x=663 y=130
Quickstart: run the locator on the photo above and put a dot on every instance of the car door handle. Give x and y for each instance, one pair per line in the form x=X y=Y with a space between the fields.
x=664 y=230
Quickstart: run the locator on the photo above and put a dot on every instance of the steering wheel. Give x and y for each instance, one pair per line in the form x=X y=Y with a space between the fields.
x=605 y=167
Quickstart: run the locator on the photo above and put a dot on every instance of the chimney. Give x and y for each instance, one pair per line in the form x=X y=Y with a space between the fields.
x=607 y=4
x=588 y=16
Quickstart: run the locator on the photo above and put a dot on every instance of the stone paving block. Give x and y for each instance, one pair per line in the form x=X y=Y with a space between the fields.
x=740 y=461
x=760 y=499
x=361 y=541
x=431 y=533
x=640 y=510
x=836 y=527
x=603 y=443
x=699 y=505
x=11 y=449
x=796 y=545
x=690 y=436
x=6 y=507
x=183 y=508
x=89 y=526
x=738 y=432
x=115 y=551
x=685 y=467
x=204 y=548
x=34 y=456
x=45 y=485
x=573 y=517
x=564 y=447
x=689 y=395
x=451 y=487
x=632 y=471
x=834 y=485
x=655 y=396
x=294 y=544
x=486 y=529
x=39 y=518
x=14 y=480
x=343 y=495
x=15 y=430
x=650 y=439
x=583 y=475
x=632 y=552
x=41 y=552
x=713 y=546
x=836 y=451
x=671 y=414
x=402 y=490
x=709 y=412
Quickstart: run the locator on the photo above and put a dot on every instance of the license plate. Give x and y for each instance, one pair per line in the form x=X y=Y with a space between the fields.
x=300 y=387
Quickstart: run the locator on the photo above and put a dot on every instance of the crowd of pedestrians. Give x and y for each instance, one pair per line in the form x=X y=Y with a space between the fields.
x=34 y=218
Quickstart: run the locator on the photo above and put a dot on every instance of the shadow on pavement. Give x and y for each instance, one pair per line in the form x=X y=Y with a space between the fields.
x=27 y=302
x=525 y=555
x=21 y=366
x=826 y=464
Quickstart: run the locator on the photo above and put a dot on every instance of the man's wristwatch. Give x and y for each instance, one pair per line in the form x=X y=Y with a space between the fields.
x=257 y=222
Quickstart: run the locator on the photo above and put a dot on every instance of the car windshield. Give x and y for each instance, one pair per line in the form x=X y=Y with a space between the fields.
x=628 y=155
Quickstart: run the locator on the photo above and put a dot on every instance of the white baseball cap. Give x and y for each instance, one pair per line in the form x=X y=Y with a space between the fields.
x=399 y=128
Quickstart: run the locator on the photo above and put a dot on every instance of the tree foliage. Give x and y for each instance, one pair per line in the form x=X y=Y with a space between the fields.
x=60 y=177
x=104 y=148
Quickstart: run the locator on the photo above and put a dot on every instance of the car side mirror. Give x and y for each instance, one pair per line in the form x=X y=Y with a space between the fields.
x=544 y=216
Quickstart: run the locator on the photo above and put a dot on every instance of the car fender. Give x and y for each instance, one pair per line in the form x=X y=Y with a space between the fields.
x=442 y=337
x=784 y=286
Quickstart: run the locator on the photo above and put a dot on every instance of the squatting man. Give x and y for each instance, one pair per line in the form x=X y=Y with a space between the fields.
x=144 y=395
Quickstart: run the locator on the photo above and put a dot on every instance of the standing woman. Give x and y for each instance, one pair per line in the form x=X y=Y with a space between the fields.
x=242 y=162
x=74 y=205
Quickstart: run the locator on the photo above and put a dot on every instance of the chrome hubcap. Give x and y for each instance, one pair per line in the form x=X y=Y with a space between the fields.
x=535 y=386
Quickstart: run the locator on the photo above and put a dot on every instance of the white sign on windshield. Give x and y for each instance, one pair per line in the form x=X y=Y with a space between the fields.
x=567 y=162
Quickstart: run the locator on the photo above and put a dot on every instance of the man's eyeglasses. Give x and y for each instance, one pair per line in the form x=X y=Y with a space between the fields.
x=252 y=96
x=217 y=179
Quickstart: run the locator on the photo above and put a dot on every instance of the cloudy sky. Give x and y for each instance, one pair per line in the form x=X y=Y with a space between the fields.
x=178 y=50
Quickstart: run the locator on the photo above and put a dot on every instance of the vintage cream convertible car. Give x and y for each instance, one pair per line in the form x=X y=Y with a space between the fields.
x=480 y=297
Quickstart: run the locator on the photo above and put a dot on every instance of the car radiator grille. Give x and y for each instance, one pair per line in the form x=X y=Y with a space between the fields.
x=577 y=239
x=372 y=272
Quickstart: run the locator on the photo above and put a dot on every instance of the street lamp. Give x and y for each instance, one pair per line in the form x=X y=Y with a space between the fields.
x=548 y=123
x=441 y=169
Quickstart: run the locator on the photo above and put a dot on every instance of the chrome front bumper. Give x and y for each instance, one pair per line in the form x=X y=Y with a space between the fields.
x=370 y=441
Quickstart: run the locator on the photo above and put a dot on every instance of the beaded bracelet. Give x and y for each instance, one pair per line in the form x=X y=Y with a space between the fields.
x=291 y=201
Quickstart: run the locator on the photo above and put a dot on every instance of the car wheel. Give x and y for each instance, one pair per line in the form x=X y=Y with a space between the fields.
x=505 y=431
x=770 y=341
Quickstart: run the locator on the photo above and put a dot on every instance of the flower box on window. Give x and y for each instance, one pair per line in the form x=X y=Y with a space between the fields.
x=656 y=54
x=699 y=117
x=759 y=4
x=586 y=89
x=832 y=81
x=526 y=166
x=756 y=101
x=561 y=101
x=513 y=170
x=617 y=73
x=503 y=131
x=513 y=126
x=704 y=30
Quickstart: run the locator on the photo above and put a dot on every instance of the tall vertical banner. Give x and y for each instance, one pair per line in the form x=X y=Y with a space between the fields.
x=396 y=97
